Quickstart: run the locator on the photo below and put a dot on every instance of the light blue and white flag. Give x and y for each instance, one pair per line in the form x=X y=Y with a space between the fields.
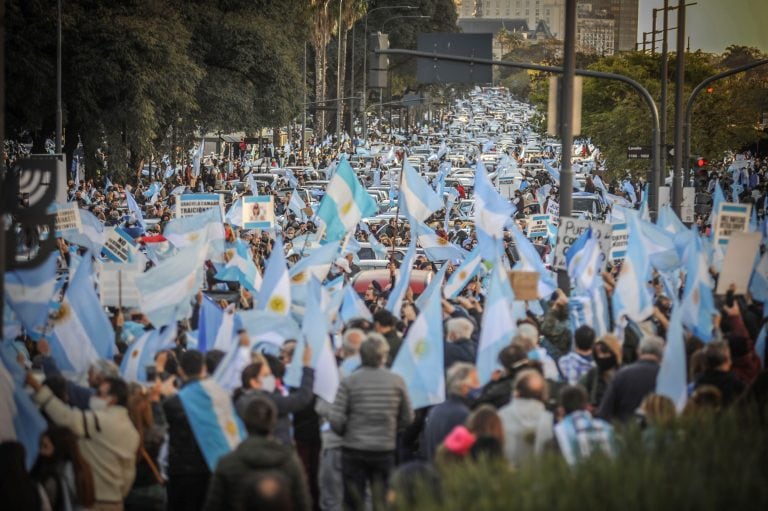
x=645 y=214
x=760 y=344
x=29 y=292
x=212 y=418
x=209 y=322
x=197 y=159
x=344 y=203
x=718 y=198
x=492 y=212
x=297 y=204
x=166 y=291
x=435 y=288
x=152 y=190
x=698 y=304
x=107 y=185
x=758 y=283
x=206 y=227
x=275 y=293
x=591 y=308
x=315 y=333
x=463 y=274
x=553 y=172
x=632 y=298
x=661 y=247
x=93 y=233
x=417 y=197
x=82 y=333
x=499 y=322
x=235 y=214
x=352 y=306
x=316 y=264
x=135 y=210
x=420 y=359
x=20 y=418
x=627 y=188
x=240 y=267
x=142 y=351
x=672 y=379
x=583 y=261
x=435 y=247
x=395 y=300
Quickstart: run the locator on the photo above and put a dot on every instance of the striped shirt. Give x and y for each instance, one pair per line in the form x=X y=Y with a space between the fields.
x=579 y=435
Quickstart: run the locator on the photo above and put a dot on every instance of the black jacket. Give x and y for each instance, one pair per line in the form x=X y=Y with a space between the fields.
x=256 y=454
x=184 y=455
x=461 y=350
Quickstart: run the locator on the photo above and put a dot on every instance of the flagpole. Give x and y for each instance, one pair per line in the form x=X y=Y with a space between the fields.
x=397 y=211
x=120 y=290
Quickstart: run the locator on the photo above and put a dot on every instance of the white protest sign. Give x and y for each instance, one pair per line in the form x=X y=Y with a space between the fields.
x=739 y=259
x=687 y=211
x=731 y=218
x=119 y=246
x=191 y=204
x=68 y=219
x=665 y=199
x=569 y=231
x=553 y=210
x=619 y=242
x=537 y=226
x=258 y=212
x=117 y=284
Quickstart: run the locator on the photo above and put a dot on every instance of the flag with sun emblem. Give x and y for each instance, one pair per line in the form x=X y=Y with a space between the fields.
x=275 y=293
x=419 y=199
x=530 y=260
x=82 y=332
x=239 y=267
x=632 y=298
x=434 y=289
x=698 y=304
x=463 y=274
x=211 y=415
x=420 y=360
x=402 y=282
x=435 y=247
x=316 y=264
x=166 y=291
x=206 y=227
x=583 y=260
x=345 y=202
x=492 y=212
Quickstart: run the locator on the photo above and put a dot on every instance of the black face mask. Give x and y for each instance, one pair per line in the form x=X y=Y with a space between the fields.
x=605 y=363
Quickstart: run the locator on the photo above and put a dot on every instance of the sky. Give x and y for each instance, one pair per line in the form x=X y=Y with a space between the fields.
x=713 y=24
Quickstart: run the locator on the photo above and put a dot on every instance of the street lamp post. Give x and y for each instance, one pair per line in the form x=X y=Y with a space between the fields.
x=59 y=114
x=365 y=61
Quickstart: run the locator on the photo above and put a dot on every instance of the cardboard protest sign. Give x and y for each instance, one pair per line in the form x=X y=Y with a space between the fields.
x=537 y=226
x=553 y=210
x=743 y=248
x=190 y=204
x=68 y=219
x=117 y=285
x=569 y=231
x=731 y=218
x=525 y=284
x=258 y=212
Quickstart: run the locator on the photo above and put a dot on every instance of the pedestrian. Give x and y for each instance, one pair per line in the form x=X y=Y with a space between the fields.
x=579 y=435
x=578 y=361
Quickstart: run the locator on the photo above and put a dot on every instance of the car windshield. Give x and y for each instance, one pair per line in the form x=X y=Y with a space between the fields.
x=585 y=204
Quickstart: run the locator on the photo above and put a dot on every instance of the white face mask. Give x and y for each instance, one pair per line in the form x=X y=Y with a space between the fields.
x=268 y=383
x=96 y=403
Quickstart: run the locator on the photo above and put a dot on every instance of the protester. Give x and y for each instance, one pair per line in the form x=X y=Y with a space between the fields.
x=578 y=434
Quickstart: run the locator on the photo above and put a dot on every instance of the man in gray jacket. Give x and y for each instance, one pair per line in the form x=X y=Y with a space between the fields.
x=371 y=407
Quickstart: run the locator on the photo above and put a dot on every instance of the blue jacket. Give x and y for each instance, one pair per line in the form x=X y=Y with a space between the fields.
x=441 y=420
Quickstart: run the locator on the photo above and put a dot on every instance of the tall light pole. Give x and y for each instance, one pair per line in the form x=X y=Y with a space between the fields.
x=339 y=80
x=58 y=78
x=365 y=61
x=677 y=174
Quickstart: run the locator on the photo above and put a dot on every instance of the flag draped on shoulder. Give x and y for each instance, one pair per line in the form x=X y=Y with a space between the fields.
x=212 y=418
x=344 y=203
x=82 y=332
x=420 y=360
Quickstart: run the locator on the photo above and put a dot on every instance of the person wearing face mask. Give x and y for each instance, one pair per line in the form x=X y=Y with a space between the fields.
x=606 y=354
x=258 y=380
x=108 y=440
x=461 y=380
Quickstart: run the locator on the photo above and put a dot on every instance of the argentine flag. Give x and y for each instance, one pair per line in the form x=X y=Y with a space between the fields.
x=395 y=300
x=316 y=264
x=315 y=333
x=435 y=247
x=590 y=307
x=93 y=233
x=352 y=306
x=499 y=322
x=29 y=292
x=344 y=203
x=275 y=292
x=530 y=260
x=434 y=289
x=240 y=267
x=698 y=306
x=135 y=209
x=671 y=381
x=631 y=297
x=82 y=332
x=420 y=360
x=235 y=214
x=206 y=227
x=20 y=418
x=166 y=291
x=418 y=198
x=142 y=351
x=463 y=274
x=492 y=212
x=553 y=172
x=216 y=426
x=583 y=260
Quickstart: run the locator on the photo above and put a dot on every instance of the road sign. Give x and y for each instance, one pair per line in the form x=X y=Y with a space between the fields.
x=638 y=153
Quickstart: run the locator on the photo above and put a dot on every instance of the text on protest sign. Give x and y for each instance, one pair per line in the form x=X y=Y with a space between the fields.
x=619 y=242
x=119 y=246
x=68 y=219
x=258 y=212
x=731 y=218
x=569 y=231
x=191 y=204
x=553 y=210
x=537 y=226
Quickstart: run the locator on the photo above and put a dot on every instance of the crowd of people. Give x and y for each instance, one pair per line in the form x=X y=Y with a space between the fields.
x=179 y=438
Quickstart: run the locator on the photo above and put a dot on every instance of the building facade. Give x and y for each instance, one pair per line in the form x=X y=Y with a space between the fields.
x=552 y=12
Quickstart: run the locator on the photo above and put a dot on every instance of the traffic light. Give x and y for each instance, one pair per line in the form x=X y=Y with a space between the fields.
x=710 y=90
x=377 y=74
x=699 y=161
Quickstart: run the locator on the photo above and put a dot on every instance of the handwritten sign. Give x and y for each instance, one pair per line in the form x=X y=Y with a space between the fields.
x=119 y=246
x=68 y=219
x=569 y=231
x=731 y=218
x=191 y=204
x=537 y=226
